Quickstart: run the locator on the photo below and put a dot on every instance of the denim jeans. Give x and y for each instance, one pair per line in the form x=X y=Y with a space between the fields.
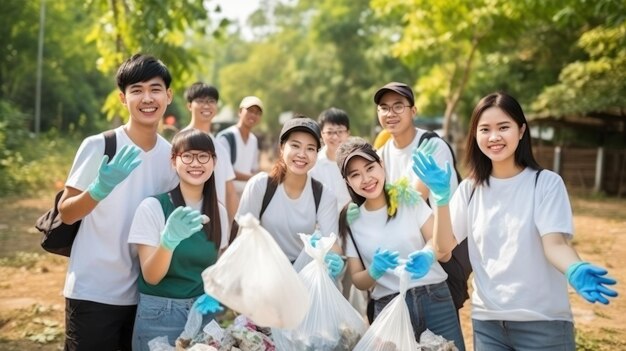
x=161 y=316
x=431 y=307
x=520 y=336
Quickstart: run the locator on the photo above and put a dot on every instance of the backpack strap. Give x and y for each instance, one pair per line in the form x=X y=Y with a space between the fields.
x=230 y=138
x=355 y=246
x=270 y=190
x=317 y=192
x=110 y=143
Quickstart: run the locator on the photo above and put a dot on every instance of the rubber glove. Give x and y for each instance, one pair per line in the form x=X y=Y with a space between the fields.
x=111 y=174
x=427 y=147
x=419 y=263
x=434 y=177
x=383 y=260
x=315 y=238
x=335 y=264
x=588 y=281
x=352 y=213
x=180 y=225
x=207 y=304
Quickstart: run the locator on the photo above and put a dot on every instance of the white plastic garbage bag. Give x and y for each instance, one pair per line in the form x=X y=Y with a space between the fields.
x=392 y=329
x=255 y=278
x=331 y=323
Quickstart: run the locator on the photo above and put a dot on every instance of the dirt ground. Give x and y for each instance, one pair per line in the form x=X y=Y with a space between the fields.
x=31 y=301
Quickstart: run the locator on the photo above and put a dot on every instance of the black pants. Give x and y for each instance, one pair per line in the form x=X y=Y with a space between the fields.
x=96 y=326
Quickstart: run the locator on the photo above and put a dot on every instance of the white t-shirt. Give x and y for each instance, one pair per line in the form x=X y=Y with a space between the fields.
x=284 y=217
x=103 y=267
x=149 y=223
x=247 y=160
x=504 y=223
x=327 y=172
x=399 y=162
x=403 y=234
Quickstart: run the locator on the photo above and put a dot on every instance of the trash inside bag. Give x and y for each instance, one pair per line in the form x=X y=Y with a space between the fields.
x=255 y=278
x=331 y=324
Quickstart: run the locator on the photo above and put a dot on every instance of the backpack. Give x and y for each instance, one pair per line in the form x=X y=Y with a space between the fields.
x=232 y=145
x=270 y=190
x=58 y=237
x=458 y=267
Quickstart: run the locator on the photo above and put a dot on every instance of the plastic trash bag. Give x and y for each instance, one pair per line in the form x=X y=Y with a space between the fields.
x=255 y=278
x=430 y=341
x=331 y=323
x=392 y=329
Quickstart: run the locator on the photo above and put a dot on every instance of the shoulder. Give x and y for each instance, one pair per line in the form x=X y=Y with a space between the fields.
x=546 y=179
x=259 y=178
x=228 y=131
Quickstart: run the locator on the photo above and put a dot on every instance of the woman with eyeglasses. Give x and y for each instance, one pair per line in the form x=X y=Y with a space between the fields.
x=177 y=235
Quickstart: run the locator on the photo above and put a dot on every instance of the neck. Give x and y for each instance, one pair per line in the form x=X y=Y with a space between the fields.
x=376 y=203
x=331 y=154
x=243 y=130
x=505 y=169
x=191 y=193
x=294 y=184
x=204 y=126
x=144 y=136
x=403 y=139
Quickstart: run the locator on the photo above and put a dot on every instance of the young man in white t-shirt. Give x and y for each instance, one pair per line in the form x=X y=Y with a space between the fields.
x=202 y=103
x=100 y=286
x=241 y=143
x=396 y=108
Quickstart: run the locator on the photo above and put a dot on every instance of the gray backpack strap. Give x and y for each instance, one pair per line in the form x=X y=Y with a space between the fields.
x=230 y=138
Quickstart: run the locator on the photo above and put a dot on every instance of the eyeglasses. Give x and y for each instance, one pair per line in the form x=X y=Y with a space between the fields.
x=339 y=132
x=205 y=101
x=396 y=108
x=187 y=157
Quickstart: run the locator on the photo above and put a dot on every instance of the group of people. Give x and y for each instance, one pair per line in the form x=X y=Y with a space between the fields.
x=157 y=214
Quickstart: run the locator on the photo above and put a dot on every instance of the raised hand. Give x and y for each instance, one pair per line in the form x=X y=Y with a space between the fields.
x=427 y=147
x=383 y=260
x=435 y=178
x=181 y=224
x=589 y=282
x=419 y=263
x=352 y=213
x=113 y=173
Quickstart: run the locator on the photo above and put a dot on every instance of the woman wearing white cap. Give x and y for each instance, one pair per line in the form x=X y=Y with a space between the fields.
x=294 y=208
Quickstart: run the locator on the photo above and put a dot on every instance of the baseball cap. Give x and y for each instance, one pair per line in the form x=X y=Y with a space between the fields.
x=301 y=124
x=396 y=87
x=353 y=147
x=250 y=101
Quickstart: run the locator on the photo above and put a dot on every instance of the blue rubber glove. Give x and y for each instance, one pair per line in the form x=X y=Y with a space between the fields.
x=419 y=263
x=427 y=147
x=180 y=225
x=207 y=304
x=111 y=174
x=352 y=213
x=383 y=260
x=588 y=281
x=315 y=238
x=335 y=264
x=434 y=177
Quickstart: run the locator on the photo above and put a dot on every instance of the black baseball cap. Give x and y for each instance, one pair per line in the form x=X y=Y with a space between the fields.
x=301 y=124
x=396 y=87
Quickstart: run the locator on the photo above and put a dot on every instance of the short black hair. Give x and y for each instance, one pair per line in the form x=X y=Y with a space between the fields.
x=201 y=90
x=141 y=68
x=334 y=116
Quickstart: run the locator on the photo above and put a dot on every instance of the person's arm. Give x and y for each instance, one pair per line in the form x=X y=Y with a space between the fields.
x=360 y=277
x=558 y=251
x=232 y=200
x=242 y=176
x=154 y=261
x=74 y=205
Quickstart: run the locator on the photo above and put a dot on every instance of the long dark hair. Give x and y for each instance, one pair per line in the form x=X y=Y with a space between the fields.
x=194 y=139
x=477 y=163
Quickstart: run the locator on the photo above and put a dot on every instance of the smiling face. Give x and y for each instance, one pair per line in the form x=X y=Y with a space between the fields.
x=498 y=136
x=333 y=135
x=191 y=170
x=203 y=109
x=395 y=123
x=147 y=101
x=250 y=117
x=299 y=152
x=366 y=178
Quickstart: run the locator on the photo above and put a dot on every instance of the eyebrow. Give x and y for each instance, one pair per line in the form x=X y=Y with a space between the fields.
x=498 y=124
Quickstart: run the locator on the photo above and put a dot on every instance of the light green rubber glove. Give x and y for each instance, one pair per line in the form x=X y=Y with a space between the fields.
x=113 y=173
x=427 y=147
x=180 y=225
x=352 y=213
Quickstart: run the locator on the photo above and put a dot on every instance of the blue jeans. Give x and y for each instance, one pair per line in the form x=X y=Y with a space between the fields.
x=161 y=316
x=519 y=336
x=431 y=307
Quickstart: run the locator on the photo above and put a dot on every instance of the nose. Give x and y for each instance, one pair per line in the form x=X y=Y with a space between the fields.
x=495 y=136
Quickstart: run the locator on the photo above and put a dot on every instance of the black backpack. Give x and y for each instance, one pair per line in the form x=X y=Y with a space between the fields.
x=58 y=237
x=270 y=190
x=230 y=138
x=458 y=267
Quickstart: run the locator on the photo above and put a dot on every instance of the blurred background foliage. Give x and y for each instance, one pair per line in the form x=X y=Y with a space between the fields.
x=557 y=57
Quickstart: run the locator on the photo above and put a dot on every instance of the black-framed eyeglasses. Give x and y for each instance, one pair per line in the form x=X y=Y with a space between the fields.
x=339 y=132
x=206 y=101
x=202 y=157
x=396 y=108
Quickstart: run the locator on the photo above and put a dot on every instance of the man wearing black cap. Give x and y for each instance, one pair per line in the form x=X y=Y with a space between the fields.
x=396 y=108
